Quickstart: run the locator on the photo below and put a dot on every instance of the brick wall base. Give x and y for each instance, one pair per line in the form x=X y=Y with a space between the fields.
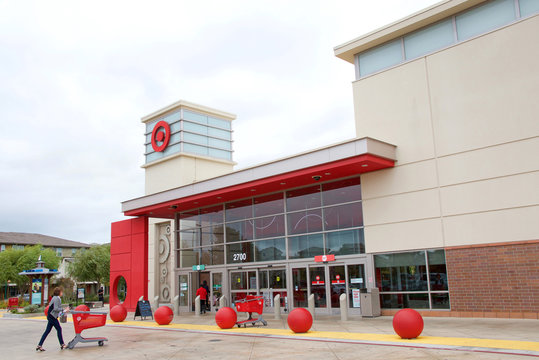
x=494 y=280
x=474 y=314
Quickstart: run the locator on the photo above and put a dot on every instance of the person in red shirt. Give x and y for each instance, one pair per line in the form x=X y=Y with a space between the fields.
x=203 y=298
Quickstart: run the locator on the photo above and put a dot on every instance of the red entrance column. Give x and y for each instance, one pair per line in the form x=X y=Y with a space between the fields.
x=129 y=258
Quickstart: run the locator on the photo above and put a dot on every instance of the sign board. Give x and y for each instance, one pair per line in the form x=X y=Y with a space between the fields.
x=80 y=293
x=199 y=267
x=319 y=282
x=46 y=289
x=337 y=281
x=355 y=298
x=37 y=288
x=143 y=309
x=324 y=258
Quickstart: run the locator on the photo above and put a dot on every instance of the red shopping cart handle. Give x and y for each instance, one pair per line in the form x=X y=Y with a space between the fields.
x=87 y=312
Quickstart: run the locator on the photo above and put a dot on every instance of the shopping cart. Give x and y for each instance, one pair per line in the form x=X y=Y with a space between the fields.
x=251 y=304
x=86 y=320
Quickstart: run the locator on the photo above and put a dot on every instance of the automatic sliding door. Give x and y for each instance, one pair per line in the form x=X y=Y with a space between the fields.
x=337 y=284
x=318 y=286
x=299 y=284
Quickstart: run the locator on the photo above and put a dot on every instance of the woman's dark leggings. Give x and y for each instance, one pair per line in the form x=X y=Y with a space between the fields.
x=52 y=322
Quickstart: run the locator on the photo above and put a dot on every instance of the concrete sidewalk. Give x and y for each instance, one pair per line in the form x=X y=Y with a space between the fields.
x=442 y=337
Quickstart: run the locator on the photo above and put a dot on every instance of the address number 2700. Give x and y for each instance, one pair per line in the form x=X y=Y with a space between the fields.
x=240 y=257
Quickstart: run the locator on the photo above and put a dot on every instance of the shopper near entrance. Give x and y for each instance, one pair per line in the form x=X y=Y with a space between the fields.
x=55 y=309
x=100 y=294
x=203 y=297
x=205 y=286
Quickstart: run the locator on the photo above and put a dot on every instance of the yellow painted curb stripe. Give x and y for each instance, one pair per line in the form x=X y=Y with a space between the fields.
x=430 y=340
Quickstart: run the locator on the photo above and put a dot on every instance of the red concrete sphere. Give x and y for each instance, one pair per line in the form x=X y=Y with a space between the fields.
x=226 y=318
x=118 y=313
x=408 y=323
x=163 y=315
x=46 y=310
x=300 y=320
x=82 y=307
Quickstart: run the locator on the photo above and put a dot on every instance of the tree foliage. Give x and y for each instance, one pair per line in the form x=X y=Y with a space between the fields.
x=92 y=264
x=13 y=261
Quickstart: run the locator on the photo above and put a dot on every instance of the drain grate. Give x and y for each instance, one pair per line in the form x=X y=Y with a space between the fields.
x=214 y=340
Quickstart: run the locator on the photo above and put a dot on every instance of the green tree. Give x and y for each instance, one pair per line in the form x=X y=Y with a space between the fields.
x=13 y=261
x=92 y=264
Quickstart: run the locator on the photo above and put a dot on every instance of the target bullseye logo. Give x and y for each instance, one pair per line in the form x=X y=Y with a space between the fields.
x=160 y=134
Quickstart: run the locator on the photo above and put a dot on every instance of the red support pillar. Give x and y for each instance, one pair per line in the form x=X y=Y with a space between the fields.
x=129 y=258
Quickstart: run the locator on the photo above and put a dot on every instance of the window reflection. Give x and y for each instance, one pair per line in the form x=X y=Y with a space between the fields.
x=271 y=226
x=267 y=250
x=343 y=216
x=305 y=246
x=269 y=205
x=345 y=242
x=303 y=198
x=305 y=221
x=343 y=191
x=239 y=231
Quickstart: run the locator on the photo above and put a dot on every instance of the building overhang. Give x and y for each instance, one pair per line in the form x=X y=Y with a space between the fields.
x=420 y=19
x=342 y=160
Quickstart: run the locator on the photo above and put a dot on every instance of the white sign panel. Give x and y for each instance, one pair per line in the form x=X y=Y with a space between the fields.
x=355 y=298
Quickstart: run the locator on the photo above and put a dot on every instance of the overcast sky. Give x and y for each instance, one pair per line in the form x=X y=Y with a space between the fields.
x=76 y=77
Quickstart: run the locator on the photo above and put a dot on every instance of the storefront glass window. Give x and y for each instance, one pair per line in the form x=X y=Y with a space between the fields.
x=239 y=210
x=437 y=270
x=211 y=216
x=401 y=301
x=262 y=224
x=343 y=216
x=339 y=192
x=267 y=250
x=402 y=271
x=240 y=252
x=190 y=257
x=189 y=219
x=345 y=242
x=271 y=226
x=212 y=255
x=269 y=205
x=189 y=238
x=415 y=279
x=305 y=246
x=239 y=231
x=305 y=221
x=305 y=198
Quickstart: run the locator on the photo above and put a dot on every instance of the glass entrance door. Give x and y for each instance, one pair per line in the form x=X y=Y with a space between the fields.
x=337 y=284
x=318 y=286
x=327 y=283
x=356 y=281
x=216 y=289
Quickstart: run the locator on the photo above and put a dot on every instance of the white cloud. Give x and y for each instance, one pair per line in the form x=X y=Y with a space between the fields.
x=76 y=77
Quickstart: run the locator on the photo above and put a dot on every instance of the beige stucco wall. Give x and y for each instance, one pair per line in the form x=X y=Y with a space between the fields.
x=466 y=124
x=182 y=170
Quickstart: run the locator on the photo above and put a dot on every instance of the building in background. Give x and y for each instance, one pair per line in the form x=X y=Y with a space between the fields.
x=434 y=201
x=64 y=249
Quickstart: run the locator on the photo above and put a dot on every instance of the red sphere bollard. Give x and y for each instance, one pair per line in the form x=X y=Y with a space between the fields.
x=300 y=320
x=408 y=323
x=118 y=313
x=226 y=318
x=163 y=315
x=82 y=307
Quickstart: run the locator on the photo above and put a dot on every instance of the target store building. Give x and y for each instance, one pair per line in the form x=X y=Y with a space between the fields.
x=434 y=201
